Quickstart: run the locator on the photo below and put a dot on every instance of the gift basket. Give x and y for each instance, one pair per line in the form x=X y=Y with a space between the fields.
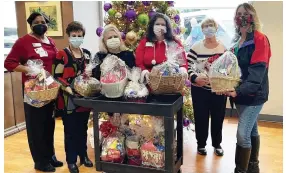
x=224 y=73
x=133 y=150
x=42 y=88
x=166 y=78
x=114 y=77
x=86 y=85
x=134 y=91
x=113 y=143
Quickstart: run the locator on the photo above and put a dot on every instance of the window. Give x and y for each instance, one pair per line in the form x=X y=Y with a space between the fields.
x=222 y=15
x=10 y=27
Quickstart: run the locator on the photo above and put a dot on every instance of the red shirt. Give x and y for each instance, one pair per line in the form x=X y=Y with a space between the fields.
x=145 y=54
x=25 y=49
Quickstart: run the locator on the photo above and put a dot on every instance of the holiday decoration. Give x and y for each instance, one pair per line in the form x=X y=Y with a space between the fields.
x=133 y=16
x=99 y=31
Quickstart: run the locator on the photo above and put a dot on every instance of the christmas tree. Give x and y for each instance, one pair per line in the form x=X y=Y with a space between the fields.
x=132 y=17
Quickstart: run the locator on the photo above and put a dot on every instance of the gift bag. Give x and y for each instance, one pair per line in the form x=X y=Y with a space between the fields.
x=133 y=150
x=113 y=148
x=41 y=88
x=135 y=91
x=114 y=76
x=224 y=73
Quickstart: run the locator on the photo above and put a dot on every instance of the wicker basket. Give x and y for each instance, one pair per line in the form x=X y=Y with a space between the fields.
x=44 y=95
x=166 y=84
x=223 y=84
x=114 y=90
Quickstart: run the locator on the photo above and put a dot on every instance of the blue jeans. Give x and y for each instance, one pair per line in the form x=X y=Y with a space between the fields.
x=247 y=125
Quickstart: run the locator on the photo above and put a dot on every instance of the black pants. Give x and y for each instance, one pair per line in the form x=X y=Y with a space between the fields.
x=40 y=126
x=206 y=103
x=75 y=128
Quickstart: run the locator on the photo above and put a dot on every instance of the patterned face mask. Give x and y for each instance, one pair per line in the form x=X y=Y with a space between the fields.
x=243 y=21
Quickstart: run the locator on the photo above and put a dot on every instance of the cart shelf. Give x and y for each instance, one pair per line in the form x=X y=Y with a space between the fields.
x=156 y=105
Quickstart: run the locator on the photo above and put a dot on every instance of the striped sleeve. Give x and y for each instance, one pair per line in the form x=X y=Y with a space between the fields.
x=192 y=56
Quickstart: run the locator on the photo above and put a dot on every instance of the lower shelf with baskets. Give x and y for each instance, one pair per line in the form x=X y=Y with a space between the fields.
x=164 y=105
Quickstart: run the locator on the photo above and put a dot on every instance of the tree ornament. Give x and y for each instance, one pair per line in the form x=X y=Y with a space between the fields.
x=107 y=6
x=99 y=31
x=111 y=12
x=143 y=19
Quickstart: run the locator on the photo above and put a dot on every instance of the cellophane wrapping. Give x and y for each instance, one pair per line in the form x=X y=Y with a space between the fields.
x=134 y=90
x=86 y=85
x=39 y=80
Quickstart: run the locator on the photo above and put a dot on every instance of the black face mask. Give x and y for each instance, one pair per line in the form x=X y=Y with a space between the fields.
x=40 y=29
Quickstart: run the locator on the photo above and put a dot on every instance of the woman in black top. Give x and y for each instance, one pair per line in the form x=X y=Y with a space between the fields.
x=111 y=43
x=70 y=62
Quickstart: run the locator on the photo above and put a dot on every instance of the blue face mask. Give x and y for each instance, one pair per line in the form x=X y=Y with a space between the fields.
x=209 y=32
x=76 y=41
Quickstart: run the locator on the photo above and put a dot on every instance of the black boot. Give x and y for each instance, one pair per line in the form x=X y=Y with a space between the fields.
x=253 y=166
x=44 y=167
x=55 y=162
x=86 y=161
x=242 y=156
x=73 y=168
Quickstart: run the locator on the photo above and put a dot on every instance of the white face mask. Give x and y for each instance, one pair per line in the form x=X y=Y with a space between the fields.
x=209 y=32
x=76 y=41
x=158 y=30
x=113 y=43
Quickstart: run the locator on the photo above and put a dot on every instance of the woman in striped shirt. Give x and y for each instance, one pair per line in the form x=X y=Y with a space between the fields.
x=205 y=102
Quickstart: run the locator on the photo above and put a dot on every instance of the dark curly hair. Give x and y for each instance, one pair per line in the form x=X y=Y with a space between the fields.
x=75 y=26
x=150 y=35
x=34 y=15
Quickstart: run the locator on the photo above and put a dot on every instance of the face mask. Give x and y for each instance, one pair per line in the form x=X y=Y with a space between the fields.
x=76 y=41
x=158 y=30
x=243 y=21
x=40 y=29
x=209 y=32
x=113 y=43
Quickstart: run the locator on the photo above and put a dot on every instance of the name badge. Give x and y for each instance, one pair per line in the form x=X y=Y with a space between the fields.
x=41 y=52
x=149 y=44
x=37 y=44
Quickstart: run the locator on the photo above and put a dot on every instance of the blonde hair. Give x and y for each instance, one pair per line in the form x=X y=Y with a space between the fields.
x=255 y=25
x=209 y=20
x=102 y=46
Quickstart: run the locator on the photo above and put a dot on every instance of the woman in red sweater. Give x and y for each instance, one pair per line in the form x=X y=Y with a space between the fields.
x=40 y=123
x=151 y=50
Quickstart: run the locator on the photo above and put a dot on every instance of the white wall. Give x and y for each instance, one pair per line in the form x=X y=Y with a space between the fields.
x=87 y=12
x=270 y=14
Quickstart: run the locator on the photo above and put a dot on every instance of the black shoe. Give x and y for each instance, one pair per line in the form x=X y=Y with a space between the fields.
x=219 y=151
x=202 y=151
x=73 y=168
x=253 y=166
x=55 y=163
x=242 y=156
x=86 y=161
x=47 y=167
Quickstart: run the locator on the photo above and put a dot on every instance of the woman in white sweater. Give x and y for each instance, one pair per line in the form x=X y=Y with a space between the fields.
x=206 y=103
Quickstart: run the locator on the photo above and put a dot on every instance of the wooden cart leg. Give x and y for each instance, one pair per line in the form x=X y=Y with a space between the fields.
x=96 y=141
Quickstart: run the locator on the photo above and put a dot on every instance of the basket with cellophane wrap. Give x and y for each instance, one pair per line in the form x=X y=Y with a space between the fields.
x=224 y=73
x=166 y=78
x=42 y=87
x=114 y=77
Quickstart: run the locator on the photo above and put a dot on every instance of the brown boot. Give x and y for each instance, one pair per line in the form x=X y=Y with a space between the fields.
x=242 y=156
x=253 y=166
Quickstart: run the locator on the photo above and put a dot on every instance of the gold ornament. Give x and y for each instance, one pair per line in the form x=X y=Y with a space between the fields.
x=131 y=38
x=118 y=15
